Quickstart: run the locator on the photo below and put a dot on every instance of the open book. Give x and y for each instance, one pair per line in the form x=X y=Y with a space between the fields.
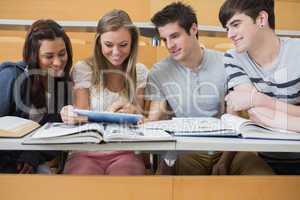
x=109 y=117
x=60 y=133
x=195 y=126
x=249 y=129
x=16 y=127
x=228 y=126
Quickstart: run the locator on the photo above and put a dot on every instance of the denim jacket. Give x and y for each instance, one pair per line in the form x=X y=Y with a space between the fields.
x=13 y=95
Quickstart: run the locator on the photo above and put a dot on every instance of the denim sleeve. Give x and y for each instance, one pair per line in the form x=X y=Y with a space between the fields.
x=7 y=79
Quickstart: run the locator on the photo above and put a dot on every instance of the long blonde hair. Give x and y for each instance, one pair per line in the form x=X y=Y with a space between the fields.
x=113 y=21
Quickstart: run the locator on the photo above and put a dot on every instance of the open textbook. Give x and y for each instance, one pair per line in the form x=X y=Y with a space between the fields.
x=228 y=126
x=16 y=127
x=60 y=133
x=249 y=129
x=195 y=126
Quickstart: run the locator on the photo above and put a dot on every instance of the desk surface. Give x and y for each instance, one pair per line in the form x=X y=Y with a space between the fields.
x=236 y=144
x=182 y=144
x=16 y=144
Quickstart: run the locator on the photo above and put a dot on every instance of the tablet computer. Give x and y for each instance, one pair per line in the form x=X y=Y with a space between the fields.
x=109 y=117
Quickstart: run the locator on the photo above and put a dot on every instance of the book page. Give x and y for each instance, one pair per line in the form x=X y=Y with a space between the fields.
x=259 y=132
x=197 y=124
x=61 y=129
x=249 y=129
x=279 y=130
x=11 y=122
x=79 y=138
x=11 y=126
x=233 y=121
x=122 y=132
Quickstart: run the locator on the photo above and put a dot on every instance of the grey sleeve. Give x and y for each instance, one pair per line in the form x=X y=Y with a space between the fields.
x=7 y=78
x=235 y=74
x=153 y=90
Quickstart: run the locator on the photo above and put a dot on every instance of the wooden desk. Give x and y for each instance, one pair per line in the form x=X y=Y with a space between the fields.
x=37 y=187
x=16 y=144
x=182 y=144
x=235 y=144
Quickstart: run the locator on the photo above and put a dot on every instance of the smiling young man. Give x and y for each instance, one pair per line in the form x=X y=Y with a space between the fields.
x=262 y=71
x=191 y=83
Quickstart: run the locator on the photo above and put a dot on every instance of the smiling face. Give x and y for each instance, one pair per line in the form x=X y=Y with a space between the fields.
x=242 y=31
x=53 y=56
x=178 y=42
x=116 y=46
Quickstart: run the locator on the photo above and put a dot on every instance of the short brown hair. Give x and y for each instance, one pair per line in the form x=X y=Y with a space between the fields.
x=176 y=12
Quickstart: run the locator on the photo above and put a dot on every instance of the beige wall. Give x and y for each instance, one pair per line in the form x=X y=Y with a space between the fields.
x=70 y=9
x=11 y=42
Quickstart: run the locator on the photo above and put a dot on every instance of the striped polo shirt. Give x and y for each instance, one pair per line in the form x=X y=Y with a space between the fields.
x=280 y=80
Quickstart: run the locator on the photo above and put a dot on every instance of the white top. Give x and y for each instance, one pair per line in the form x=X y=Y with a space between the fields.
x=101 y=98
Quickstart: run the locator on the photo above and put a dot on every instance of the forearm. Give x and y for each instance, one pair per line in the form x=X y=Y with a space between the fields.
x=294 y=123
x=231 y=111
x=157 y=111
x=262 y=100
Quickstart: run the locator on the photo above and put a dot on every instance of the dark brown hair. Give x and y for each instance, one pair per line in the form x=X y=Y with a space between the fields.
x=44 y=29
x=252 y=8
x=176 y=12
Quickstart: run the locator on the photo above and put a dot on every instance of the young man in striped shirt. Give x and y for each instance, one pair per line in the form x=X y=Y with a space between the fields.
x=262 y=71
